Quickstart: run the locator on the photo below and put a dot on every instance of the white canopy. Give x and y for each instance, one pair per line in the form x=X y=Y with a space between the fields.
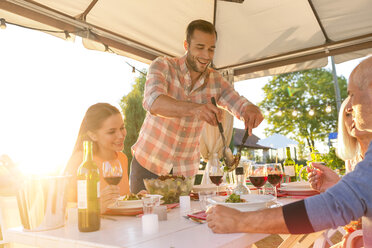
x=255 y=38
x=277 y=141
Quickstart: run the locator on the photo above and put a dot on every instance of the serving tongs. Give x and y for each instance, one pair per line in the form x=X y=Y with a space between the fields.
x=238 y=154
x=228 y=157
x=231 y=161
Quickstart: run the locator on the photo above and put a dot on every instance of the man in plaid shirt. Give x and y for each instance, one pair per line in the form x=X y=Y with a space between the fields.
x=177 y=99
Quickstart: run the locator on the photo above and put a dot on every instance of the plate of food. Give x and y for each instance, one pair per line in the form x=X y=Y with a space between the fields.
x=128 y=202
x=243 y=203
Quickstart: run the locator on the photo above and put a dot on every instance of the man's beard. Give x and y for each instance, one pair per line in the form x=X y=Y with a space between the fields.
x=191 y=62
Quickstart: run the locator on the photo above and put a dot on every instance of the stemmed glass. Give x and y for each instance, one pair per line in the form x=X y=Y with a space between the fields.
x=216 y=174
x=275 y=174
x=112 y=171
x=258 y=175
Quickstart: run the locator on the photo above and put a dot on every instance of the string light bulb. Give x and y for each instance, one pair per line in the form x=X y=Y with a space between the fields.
x=2 y=23
x=294 y=113
x=328 y=109
x=280 y=113
x=267 y=111
x=68 y=36
x=133 y=69
x=311 y=112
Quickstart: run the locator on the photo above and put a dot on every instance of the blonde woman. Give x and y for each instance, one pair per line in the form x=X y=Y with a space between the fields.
x=352 y=143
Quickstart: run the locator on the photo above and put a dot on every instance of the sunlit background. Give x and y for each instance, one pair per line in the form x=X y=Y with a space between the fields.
x=47 y=84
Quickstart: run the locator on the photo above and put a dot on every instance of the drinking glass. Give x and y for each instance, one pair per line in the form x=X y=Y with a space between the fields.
x=216 y=174
x=258 y=175
x=112 y=171
x=148 y=204
x=203 y=198
x=275 y=174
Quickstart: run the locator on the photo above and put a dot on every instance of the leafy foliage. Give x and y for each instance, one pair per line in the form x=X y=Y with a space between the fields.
x=134 y=114
x=332 y=161
x=302 y=91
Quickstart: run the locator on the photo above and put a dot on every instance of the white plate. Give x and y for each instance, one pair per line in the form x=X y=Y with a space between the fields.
x=128 y=204
x=298 y=191
x=296 y=185
x=253 y=202
x=128 y=208
x=204 y=187
x=209 y=187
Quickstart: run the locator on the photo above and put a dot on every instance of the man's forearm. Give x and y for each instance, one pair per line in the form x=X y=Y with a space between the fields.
x=265 y=221
x=169 y=107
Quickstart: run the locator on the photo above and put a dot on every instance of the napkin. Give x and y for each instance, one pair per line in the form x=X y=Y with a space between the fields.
x=198 y=215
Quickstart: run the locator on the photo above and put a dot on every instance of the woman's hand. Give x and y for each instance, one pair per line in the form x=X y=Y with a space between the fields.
x=109 y=196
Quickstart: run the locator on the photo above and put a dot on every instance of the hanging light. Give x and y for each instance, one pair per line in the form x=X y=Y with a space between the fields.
x=267 y=111
x=311 y=112
x=68 y=36
x=328 y=109
x=133 y=69
x=2 y=23
x=294 y=113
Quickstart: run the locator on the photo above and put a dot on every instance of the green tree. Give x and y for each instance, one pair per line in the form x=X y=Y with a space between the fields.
x=134 y=114
x=302 y=91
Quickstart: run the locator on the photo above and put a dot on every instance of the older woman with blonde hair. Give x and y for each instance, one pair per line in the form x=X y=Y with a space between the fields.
x=348 y=148
x=352 y=143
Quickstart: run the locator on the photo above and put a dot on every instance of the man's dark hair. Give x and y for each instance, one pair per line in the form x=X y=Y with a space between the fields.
x=201 y=25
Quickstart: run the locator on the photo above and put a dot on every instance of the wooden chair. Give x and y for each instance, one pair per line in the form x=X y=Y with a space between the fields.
x=299 y=240
x=318 y=239
x=9 y=217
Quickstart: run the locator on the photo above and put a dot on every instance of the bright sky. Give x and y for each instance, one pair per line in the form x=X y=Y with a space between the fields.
x=47 y=84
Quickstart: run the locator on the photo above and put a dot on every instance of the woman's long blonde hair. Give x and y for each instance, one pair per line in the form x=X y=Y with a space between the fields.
x=347 y=146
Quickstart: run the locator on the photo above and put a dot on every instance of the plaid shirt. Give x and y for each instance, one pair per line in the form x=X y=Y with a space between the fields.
x=166 y=143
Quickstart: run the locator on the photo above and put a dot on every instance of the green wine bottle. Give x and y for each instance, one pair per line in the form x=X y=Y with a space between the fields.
x=88 y=192
x=289 y=167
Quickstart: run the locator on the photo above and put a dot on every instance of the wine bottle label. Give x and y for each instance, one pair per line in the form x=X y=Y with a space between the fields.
x=289 y=171
x=82 y=194
x=98 y=192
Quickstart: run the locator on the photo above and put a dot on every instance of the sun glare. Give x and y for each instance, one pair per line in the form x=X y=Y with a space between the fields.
x=45 y=93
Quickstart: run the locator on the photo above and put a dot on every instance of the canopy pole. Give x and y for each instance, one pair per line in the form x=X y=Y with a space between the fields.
x=214 y=13
x=337 y=88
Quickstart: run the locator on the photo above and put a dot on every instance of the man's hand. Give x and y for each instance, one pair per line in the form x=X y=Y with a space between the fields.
x=169 y=107
x=222 y=219
x=252 y=117
x=206 y=112
x=322 y=177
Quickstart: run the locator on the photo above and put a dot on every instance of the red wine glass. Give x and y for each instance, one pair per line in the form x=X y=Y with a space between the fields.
x=112 y=171
x=275 y=174
x=258 y=175
x=216 y=174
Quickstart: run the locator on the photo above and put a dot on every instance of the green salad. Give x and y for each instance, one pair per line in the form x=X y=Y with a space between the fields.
x=132 y=197
x=234 y=198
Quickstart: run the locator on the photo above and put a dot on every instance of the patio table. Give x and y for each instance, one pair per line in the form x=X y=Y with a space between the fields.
x=175 y=232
